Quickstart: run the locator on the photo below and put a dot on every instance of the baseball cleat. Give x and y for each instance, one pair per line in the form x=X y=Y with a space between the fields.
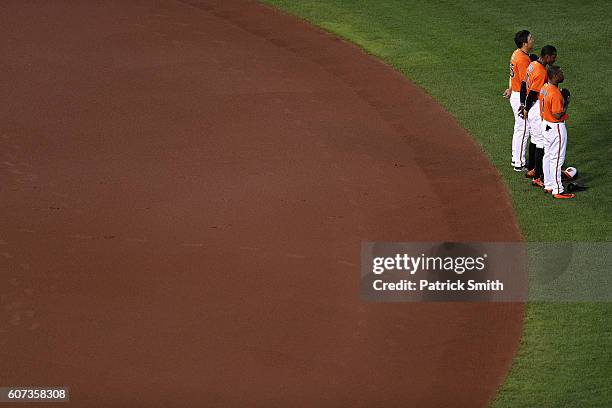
x=530 y=174
x=537 y=182
x=564 y=195
x=518 y=169
x=547 y=191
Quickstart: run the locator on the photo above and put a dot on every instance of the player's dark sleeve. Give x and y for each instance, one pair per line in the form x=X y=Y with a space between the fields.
x=523 y=92
x=532 y=98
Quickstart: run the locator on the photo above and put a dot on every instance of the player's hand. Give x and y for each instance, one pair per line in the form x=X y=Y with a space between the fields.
x=566 y=97
x=522 y=112
x=507 y=93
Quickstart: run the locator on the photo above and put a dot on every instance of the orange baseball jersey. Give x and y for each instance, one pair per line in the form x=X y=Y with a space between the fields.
x=519 y=61
x=536 y=76
x=551 y=101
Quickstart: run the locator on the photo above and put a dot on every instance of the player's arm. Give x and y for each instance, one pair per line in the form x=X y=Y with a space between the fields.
x=565 y=93
x=522 y=72
x=559 y=107
x=522 y=112
x=559 y=115
x=508 y=90
x=532 y=98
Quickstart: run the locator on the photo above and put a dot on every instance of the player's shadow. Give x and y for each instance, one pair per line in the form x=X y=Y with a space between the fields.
x=589 y=144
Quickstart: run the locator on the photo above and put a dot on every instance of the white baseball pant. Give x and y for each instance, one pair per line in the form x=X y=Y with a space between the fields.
x=520 y=136
x=555 y=135
x=534 y=124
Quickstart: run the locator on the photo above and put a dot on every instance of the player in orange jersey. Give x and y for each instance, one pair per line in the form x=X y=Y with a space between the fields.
x=536 y=78
x=519 y=61
x=553 y=108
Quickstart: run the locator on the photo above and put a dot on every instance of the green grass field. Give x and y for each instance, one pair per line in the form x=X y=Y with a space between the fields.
x=458 y=52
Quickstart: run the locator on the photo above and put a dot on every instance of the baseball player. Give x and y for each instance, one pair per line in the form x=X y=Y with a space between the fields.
x=536 y=77
x=519 y=61
x=553 y=108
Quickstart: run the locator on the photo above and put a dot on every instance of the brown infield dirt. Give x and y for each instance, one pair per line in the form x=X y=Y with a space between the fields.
x=184 y=191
